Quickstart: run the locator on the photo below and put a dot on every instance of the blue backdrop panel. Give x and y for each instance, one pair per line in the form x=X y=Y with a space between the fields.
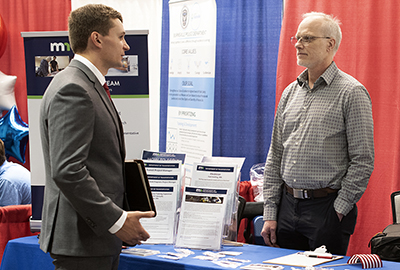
x=245 y=78
x=164 y=76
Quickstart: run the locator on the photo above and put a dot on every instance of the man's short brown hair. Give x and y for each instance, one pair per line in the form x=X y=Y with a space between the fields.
x=83 y=21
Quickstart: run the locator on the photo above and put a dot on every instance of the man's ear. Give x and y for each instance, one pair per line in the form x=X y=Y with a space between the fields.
x=331 y=44
x=95 y=39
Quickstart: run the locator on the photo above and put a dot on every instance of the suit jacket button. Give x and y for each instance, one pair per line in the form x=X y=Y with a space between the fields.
x=91 y=223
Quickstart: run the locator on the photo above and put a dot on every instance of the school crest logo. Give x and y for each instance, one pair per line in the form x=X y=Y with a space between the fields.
x=184 y=17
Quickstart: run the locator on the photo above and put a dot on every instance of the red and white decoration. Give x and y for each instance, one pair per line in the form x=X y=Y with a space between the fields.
x=366 y=260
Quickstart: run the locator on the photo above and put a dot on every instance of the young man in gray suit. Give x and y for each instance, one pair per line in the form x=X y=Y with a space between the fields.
x=83 y=223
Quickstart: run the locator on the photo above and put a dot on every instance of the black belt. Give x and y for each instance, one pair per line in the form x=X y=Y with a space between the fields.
x=309 y=193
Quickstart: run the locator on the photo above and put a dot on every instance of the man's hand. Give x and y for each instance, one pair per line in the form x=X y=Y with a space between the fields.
x=132 y=231
x=268 y=232
x=340 y=216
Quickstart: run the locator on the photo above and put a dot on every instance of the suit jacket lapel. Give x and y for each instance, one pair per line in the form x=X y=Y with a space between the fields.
x=107 y=102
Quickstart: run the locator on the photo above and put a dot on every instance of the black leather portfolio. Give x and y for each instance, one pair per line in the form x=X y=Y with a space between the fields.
x=138 y=192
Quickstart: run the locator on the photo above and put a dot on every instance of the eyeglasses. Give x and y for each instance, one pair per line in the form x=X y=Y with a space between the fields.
x=305 y=40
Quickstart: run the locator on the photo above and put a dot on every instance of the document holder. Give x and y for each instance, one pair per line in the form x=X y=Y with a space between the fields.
x=137 y=187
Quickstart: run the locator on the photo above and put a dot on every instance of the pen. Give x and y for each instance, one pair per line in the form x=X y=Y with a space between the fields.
x=320 y=256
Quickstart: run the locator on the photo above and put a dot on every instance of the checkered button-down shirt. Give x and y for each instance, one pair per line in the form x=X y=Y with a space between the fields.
x=322 y=137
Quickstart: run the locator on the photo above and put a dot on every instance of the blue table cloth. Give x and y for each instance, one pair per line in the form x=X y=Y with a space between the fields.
x=24 y=253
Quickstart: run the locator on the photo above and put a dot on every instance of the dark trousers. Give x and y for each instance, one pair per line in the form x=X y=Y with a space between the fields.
x=87 y=263
x=306 y=224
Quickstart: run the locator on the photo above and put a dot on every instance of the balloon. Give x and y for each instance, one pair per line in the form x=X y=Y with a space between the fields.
x=3 y=36
x=7 y=98
x=14 y=133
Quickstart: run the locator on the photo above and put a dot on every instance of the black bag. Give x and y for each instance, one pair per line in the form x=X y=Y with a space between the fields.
x=387 y=243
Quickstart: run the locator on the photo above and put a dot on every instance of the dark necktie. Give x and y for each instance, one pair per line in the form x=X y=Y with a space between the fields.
x=107 y=90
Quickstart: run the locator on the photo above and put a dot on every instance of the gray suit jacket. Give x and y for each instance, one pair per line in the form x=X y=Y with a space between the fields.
x=84 y=153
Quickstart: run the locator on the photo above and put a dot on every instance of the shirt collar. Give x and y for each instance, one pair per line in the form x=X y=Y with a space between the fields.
x=92 y=67
x=327 y=76
x=5 y=164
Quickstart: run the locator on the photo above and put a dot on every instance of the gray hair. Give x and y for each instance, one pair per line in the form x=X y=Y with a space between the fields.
x=331 y=26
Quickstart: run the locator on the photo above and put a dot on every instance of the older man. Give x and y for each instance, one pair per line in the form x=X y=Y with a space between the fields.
x=322 y=148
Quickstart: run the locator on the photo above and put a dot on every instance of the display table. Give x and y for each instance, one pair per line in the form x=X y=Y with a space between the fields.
x=24 y=253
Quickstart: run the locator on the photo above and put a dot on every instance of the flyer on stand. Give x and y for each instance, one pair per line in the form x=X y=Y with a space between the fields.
x=239 y=161
x=152 y=155
x=148 y=155
x=165 y=183
x=202 y=218
x=215 y=175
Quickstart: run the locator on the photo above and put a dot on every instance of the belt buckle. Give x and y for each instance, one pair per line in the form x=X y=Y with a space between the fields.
x=299 y=193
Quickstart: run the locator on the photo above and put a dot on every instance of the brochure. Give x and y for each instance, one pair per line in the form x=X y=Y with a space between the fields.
x=165 y=183
x=151 y=155
x=201 y=219
x=214 y=175
x=140 y=251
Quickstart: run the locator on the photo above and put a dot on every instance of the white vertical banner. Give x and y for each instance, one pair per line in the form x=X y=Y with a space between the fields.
x=191 y=79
